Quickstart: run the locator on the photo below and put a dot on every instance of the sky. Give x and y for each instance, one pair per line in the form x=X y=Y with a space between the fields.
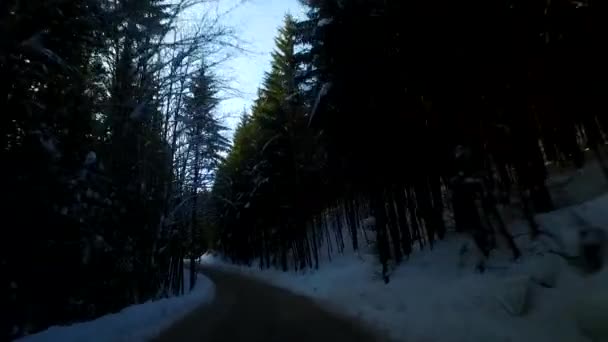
x=256 y=23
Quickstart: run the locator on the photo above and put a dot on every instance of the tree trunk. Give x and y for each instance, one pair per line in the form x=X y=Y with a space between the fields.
x=394 y=229
x=315 y=250
x=194 y=211
x=379 y=212
x=435 y=186
x=400 y=204
x=411 y=202
x=529 y=214
x=423 y=201
x=352 y=224
x=327 y=236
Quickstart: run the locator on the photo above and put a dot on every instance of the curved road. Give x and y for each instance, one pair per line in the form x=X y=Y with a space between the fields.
x=245 y=309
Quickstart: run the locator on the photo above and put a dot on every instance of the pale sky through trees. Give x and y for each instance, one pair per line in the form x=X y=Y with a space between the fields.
x=256 y=22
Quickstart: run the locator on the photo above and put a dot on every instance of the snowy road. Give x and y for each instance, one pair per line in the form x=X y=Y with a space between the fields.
x=245 y=309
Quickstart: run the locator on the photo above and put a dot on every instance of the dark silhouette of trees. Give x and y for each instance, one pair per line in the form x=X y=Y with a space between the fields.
x=91 y=140
x=406 y=111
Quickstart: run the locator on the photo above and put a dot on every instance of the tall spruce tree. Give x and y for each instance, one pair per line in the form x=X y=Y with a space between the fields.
x=263 y=182
x=206 y=146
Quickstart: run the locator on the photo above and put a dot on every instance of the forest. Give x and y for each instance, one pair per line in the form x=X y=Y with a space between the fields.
x=109 y=141
x=118 y=167
x=403 y=111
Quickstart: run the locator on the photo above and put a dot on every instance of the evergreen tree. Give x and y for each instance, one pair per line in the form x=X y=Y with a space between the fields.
x=206 y=145
x=88 y=166
x=389 y=91
x=262 y=183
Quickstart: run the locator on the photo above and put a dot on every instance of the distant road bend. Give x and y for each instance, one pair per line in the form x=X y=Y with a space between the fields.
x=245 y=309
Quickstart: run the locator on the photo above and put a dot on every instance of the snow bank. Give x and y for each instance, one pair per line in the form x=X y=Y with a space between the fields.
x=576 y=186
x=437 y=296
x=140 y=322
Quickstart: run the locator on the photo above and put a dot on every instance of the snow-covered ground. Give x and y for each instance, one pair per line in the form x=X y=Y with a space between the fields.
x=573 y=186
x=140 y=322
x=438 y=296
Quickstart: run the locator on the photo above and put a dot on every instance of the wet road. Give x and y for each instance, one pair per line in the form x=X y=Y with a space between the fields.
x=245 y=309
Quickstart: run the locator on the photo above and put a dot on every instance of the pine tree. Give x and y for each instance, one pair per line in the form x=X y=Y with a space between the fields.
x=262 y=182
x=206 y=146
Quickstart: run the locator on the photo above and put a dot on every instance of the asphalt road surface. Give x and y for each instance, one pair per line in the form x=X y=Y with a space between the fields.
x=245 y=309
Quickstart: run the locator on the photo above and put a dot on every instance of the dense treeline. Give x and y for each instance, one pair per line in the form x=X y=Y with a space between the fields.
x=108 y=139
x=406 y=110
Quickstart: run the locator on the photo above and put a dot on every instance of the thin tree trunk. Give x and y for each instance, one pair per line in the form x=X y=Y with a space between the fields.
x=315 y=251
x=399 y=201
x=425 y=206
x=352 y=224
x=181 y=273
x=283 y=248
x=327 y=236
x=413 y=211
x=338 y=231
x=379 y=212
x=502 y=229
x=529 y=214
x=435 y=186
x=194 y=210
x=308 y=250
x=394 y=228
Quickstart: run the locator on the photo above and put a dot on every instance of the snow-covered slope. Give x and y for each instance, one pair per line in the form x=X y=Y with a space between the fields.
x=573 y=186
x=437 y=295
x=140 y=322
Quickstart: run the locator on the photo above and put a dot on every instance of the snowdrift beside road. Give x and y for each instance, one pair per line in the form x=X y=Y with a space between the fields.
x=140 y=322
x=437 y=295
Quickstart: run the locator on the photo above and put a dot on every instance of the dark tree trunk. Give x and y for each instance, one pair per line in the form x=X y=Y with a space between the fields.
x=338 y=232
x=379 y=212
x=283 y=249
x=181 y=274
x=400 y=203
x=413 y=211
x=308 y=250
x=266 y=249
x=541 y=198
x=302 y=251
x=435 y=186
x=490 y=209
x=327 y=236
x=394 y=229
x=423 y=201
x=352 y=223
x=315 y=250
x=529 y=214
x=532 y=173
x=504 y=183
